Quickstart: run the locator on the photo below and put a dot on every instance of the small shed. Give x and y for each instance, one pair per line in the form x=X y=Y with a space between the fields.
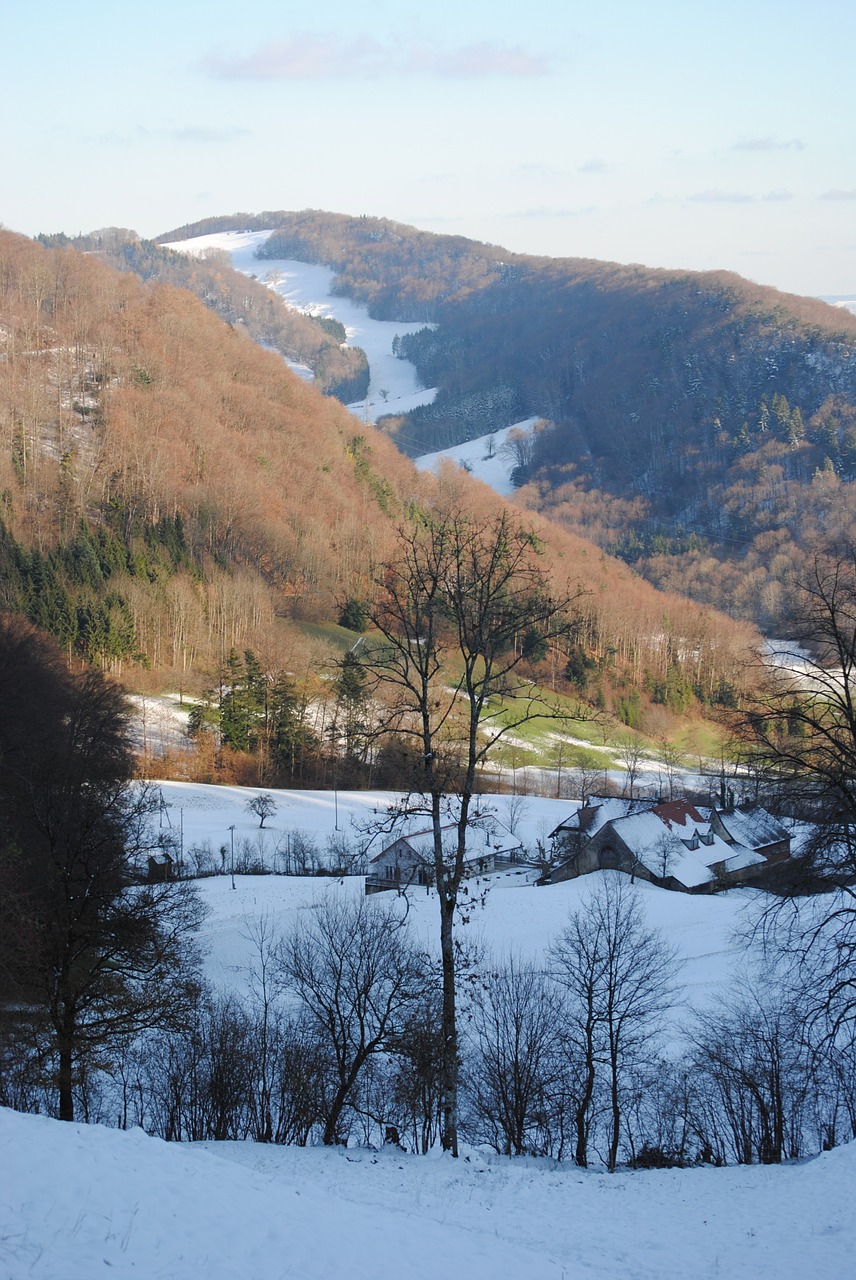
x=161 y=867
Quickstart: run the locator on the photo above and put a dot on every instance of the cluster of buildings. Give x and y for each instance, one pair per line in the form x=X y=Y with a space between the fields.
x=674 y=843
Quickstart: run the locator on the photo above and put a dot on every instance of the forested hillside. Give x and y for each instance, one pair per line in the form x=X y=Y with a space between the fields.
x=704 y=427
x=316 y=342
x=160 y=463
x=173 y=497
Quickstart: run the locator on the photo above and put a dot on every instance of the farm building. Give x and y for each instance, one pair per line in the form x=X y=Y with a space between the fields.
x=675 y=844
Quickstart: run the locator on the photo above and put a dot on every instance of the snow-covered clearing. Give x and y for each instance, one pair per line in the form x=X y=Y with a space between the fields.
x=86 y=1201
x=482 y=458
x=394 y=386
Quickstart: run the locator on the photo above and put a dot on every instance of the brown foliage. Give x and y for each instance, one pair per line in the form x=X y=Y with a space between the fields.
x=134 y=400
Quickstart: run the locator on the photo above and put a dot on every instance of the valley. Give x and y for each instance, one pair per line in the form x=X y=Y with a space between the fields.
x=369 y=652
x=428 y=642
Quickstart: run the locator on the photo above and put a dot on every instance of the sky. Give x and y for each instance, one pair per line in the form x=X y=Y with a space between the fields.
x=708 y=136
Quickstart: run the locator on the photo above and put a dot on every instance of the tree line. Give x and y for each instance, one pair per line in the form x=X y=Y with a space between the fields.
x=335 y=1036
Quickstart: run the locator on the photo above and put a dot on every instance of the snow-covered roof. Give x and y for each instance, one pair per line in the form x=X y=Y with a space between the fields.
x=597 y=811
x=479 y=843
x=752 y=826
x=666 y=850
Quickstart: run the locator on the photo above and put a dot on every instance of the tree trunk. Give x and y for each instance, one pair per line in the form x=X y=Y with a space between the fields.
x=449 y=1136
x=581 y=1116
x=616 y=1110
x=65 y=1082
x=331 y=1126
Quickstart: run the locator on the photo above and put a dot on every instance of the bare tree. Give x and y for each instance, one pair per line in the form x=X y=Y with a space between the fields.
x=801 y=728
x=516 y=809
x=262 y=805
x=514 y=1067
x=670 y=761
x=631 y=756
x=417 y=1079
x=619 y=976
x=452 y=608
x=518 y=449
x=358 y=977
x=755 y=1056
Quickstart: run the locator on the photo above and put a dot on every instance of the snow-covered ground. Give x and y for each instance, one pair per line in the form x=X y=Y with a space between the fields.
x=482 y=458
x=394 y=386
x=81 y=1202
x=84 y=1201
x=517 y=917
x=159 y=724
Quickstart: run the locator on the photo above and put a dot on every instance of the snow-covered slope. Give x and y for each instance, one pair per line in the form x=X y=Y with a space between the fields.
x=81 y=1202
x=482 y=458
x=84 y=1201
x=394 y=386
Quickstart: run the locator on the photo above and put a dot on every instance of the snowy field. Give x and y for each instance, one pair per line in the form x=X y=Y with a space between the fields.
x=82 y=1201
x=394 y=386
x=516 y=917
x=482 y=458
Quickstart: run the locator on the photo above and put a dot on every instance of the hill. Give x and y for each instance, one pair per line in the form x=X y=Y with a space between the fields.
x=704 y=426
x=171 y=492
x=315 y=342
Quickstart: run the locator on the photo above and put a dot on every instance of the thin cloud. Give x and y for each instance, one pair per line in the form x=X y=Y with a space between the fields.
x=777 y=197
x=543 y=170
x=769 y=144
x=721 y=197
x=203 y=134
x=319 y=57
x=595 y=165
x=476 y=60
x=838 y=194
x=193 y=134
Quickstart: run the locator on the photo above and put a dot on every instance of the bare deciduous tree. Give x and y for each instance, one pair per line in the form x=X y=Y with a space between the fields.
x=358 y=976
x=262 y=805
x=515 y=1066
x=619 y=976
x=452 y=608
x=801 y=727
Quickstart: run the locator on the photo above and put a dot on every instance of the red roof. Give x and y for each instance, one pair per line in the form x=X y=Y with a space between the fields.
x=679 y=812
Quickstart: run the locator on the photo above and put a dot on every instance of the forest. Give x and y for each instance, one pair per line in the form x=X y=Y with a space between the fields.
x=170 y=493
x=316 y=342
x=703 y=427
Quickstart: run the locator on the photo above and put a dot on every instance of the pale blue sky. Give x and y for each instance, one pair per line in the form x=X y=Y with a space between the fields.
x=671 y=134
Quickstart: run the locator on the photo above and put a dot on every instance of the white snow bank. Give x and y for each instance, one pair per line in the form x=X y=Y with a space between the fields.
x=81 y=1201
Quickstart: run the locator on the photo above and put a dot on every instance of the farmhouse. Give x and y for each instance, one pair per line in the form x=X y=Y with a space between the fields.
x=409 y=859
x=678 y=845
